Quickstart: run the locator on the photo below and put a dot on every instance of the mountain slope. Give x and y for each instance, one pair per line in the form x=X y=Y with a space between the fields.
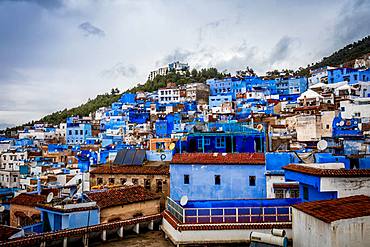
x=347 y=54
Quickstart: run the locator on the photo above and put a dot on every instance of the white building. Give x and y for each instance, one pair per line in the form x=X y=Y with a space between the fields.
x=332 y=223
x=318 y=75
x=314 y=127
x=9 y=167
x=356 y=108
x=176 y=67
x=168 y=95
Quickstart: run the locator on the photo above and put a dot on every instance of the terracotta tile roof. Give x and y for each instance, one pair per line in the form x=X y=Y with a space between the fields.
x=132 y=169
x=219 y=158
x=337 y=209
x=28 y=199
x=221 y=226
x=122 y=196
x=49 y=237
x=328 y=172
x=6 y=232
x=285 y=185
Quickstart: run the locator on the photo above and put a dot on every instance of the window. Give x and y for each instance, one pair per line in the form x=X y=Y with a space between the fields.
x=220 y=142
x=252 y=180
x=305 y=193
x=294 y=193
x=159 y=186
x=70 y=132
x=123 y=181
x=81 y=132
x=76 y=132
x=186 y=179
x=217 y=179
x=279 y=193
x=147 y=184
x=135 y=181
x=207 y=141
x=111 y=180
x=327 y=126
x=99 y=181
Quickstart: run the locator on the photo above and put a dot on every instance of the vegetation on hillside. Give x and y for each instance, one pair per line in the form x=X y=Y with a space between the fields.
x=180 y=79
x=346 y=54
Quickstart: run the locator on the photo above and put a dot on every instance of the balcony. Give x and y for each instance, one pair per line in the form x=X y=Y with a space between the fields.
x=236 y=211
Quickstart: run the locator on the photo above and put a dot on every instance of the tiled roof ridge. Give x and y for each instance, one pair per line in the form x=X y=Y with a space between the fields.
x=122 y=196
x=219 y=158
x=131 y=169
x=28 y=199
x=328 y=172
x=337 y=209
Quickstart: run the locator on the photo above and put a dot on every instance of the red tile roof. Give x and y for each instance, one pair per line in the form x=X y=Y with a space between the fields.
x=176 y=224
x=337 y=209
x=37 y=239
x=328 y=172
x=28 y=199
x=285 y=185
x=122 y=196
x=132 y=169
x=219 y=158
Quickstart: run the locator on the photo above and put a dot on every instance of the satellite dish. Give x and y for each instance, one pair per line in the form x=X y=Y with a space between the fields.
x=184 y=200
x=322 y=145
x=172 y=146
x=260 y=127
x=2 y=208
x=50 y=197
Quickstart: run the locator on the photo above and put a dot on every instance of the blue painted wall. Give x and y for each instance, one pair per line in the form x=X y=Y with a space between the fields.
x=76 y=133
x=330 y=158
x=60 y=221
x=234 y=182
x=312 y=183
x=275 y=161
x=364 y=163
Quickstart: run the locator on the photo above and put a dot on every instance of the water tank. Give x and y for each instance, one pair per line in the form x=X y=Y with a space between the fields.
x=267 y=238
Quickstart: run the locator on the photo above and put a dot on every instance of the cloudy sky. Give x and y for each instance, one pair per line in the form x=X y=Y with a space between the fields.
x=55 y=54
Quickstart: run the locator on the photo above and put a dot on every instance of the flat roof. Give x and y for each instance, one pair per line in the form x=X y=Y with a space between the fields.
x=337 y=209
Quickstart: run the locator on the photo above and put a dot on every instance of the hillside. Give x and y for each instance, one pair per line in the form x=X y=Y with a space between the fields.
x=347 y=54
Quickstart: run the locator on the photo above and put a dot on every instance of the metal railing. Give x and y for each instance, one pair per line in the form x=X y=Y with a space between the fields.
x=230 y=214
x=238 y=215
x=175 y=209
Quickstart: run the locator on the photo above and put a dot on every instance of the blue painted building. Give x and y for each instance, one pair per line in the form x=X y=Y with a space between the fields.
x=346 y=128
x=70 y=216
x=128 y=98
x=224 y=137
x=217 y=176
x=350 y=75
x=77 y=132
x=217 y=100
x=294 y=85
x=138 y=116
x=326 y=181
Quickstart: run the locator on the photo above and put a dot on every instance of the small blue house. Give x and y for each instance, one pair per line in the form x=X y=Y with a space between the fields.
x=70 y=216
x=217 y=176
